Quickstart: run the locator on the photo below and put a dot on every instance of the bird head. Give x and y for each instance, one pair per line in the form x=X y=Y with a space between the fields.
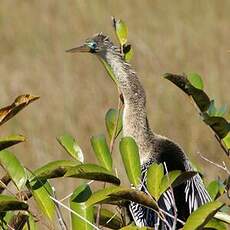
x=98 y=44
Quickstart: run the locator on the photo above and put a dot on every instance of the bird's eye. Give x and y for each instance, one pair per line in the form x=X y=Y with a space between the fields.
x=92 y=45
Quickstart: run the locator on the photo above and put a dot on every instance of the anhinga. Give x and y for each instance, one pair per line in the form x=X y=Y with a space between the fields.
x=188 y=196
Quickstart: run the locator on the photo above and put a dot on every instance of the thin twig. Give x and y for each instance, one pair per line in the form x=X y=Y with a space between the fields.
x=111 y=146
x=223 y=167
x=98 y=215
x=112 y=141
x=61 y=221
x=75 y=213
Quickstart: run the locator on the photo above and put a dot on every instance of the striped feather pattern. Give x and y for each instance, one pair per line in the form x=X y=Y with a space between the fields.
x=195 y=196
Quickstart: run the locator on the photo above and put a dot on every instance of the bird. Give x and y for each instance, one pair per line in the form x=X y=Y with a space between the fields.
x=153 y=148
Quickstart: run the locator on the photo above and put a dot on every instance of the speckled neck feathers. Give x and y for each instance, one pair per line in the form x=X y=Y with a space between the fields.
x=135 y=123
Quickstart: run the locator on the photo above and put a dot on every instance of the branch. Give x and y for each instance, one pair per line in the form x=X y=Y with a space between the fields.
x=223 y=167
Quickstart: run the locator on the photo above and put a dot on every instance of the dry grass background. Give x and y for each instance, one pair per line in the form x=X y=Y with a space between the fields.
x=167 y=36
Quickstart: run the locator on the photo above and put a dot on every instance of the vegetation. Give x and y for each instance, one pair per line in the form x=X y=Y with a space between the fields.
x=89 y=208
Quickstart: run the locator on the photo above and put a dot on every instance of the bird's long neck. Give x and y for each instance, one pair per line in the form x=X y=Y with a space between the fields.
x=135 y=123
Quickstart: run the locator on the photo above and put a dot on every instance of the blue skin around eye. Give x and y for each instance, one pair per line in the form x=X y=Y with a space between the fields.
x=92 y=45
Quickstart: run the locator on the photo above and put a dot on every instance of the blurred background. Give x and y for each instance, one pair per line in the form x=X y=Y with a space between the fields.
x=167 y=36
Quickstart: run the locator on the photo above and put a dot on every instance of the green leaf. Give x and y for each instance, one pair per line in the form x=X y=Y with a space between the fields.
x=226 y=140
x=130 y=156
x=14 y=168
x=135 y=196
x=8 y=203
x=218 y=124
x=102 y=152
x=111 y=120
x=114 y=193
x=109 y=71
x=6 y=142
x=199 y=96
x=92 y=172
x=19 y=103
x=71 y=146
x=108 y=219
x=199 y=218
x=102 y=195
x=215 y=224
x=154 y=185
x=42 y=191
x=213 y=189
x=54 y=169
x=216 y=188
x=78 y=204
x=196 y=80
x=167 y=180
x=121 y=31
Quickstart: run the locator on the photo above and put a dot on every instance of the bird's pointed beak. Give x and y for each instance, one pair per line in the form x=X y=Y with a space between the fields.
x=83 y=48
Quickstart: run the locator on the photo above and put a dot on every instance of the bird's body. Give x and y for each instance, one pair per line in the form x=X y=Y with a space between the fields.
x=152 y=147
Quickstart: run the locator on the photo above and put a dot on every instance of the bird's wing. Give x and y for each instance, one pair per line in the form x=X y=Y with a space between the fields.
x=195 y=196
x=195 y=192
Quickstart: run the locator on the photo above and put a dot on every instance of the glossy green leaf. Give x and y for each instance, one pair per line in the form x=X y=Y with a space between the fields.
x=215 y=188
x=8 y=203
x=218 y=124
x=71 y=146
x=109 y=219
x=109 y=71
x=6 y=142
x=102 y=195
x=42 y=191
x=14 y=168
x=54 y=169
x=19 y=103
x=166 y=181
x=199 y=96
x=199 y=218
x=92 y=172
x=78 y=204
x=111 y=121
x=121 y=31
x=215 y=224
x=196 y=80
x=135 y=196
x=130 y=156
x=101 y=150
x=226 y=140
x=155 y=175
x=114 y=193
